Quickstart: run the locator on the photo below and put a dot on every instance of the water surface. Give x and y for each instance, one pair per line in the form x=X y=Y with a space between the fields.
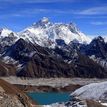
x=49 y=98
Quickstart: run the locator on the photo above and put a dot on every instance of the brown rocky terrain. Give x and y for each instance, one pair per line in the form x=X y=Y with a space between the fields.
x=91 y=103
x=11 y=96
x=30 y=88
x=7 y=69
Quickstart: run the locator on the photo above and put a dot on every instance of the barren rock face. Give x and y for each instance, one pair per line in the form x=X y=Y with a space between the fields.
x=1 y=89
x=9 y=101
x=11 y=96
x=77 y=103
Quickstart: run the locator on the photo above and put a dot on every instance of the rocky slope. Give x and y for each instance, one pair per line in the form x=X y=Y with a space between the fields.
x=9 y=101
x=76 y=102
x=7 y=69
x=11 y=96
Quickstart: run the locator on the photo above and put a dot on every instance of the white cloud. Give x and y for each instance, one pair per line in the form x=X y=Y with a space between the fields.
x=34 y=11
x=94 y=11
x=98 y=23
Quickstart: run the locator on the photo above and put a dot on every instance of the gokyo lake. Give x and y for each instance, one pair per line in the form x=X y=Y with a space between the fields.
x=46 y=98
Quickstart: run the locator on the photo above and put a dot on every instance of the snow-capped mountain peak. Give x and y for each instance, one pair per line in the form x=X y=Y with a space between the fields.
x=43 y=23
x=4 y=32
x=45 y=33
x=44 y=20
x=7 y=37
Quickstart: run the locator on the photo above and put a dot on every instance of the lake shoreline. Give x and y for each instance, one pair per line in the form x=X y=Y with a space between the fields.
x=55 y=82
x=29 y=88
x=50 y=84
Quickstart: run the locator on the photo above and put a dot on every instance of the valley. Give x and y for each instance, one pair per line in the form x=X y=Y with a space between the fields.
x=54 y=85
x=53 y=82
x=48 y=58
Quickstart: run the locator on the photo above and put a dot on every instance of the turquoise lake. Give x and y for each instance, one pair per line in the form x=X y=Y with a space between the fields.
x=49 y=98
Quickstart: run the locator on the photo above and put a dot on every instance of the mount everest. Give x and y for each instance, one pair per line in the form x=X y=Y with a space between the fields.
x=45 y=33
x=55 y=49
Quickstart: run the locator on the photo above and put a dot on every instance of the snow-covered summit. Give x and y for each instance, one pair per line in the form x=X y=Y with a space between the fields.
x=4 y=32
x=43 y=23
x=7 y=37
x=44 y=20
x=45 y=33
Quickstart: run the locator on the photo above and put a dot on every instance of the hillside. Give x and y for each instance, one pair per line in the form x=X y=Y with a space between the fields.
x=13 y=97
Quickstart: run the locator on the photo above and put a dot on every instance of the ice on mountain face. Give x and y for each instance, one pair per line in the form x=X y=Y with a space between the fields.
x=35 y=36
x=69 y=35
x=7 y=37
x=105 y=39
x=5 y=32
x=45 y=33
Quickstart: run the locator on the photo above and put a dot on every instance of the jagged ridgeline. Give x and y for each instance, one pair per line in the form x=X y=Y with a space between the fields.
x=48 y=49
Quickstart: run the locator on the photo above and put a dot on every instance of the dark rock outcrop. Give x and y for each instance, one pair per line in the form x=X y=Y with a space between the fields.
x=97 y=47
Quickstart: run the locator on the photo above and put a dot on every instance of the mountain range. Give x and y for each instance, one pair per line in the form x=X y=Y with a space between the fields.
x=47 y=49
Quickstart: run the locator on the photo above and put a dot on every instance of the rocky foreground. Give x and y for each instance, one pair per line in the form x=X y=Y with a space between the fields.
x=77 y=103
x=9 y=101
x=11 y=96
x=82 y=97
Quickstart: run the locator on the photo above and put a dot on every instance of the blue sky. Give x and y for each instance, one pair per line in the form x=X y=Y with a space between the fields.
x=89 y=15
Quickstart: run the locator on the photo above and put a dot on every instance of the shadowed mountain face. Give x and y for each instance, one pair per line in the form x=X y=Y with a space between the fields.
x=63 y=61
x=38 y=61
x=96 y=50
x=97 y=47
